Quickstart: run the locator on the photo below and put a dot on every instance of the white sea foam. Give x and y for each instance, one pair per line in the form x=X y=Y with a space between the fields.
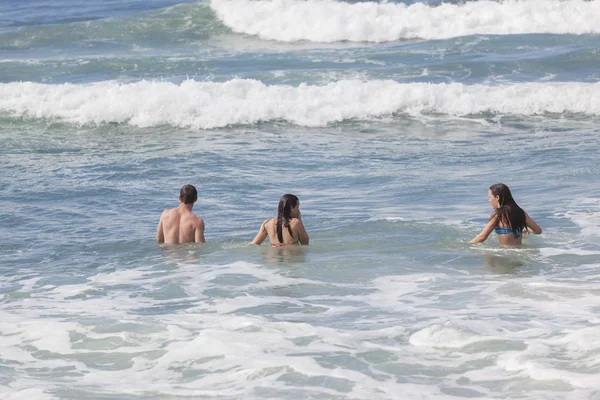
x=242 y=101
x=332 y=21
x=27 y=394
x=550 y=252
x=438 y=336
x=585 y=213
x=220 y=346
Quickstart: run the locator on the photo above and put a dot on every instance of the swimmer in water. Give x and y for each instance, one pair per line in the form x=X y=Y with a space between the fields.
x=287 y=229
x=508 y=219
x=180 y=225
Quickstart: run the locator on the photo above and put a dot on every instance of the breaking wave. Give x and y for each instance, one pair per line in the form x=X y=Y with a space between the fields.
x=333 y=21
x=208 y=105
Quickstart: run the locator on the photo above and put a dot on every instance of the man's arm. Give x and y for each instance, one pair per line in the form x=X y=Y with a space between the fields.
x=160 y=235
x=199 y=235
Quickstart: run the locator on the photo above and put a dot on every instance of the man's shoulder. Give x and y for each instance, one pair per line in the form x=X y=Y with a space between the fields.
x=167 y=212
x=196 y=220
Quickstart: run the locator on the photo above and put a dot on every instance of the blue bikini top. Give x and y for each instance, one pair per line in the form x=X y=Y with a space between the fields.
x=504 y=231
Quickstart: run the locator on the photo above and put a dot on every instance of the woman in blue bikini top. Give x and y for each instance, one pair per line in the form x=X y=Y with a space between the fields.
x=508 y=219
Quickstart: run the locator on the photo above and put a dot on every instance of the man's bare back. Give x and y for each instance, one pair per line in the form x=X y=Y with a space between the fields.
x=180 y=225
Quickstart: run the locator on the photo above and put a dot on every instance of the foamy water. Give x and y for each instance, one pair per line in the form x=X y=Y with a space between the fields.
x=168 y=332
x=242 y=329
x=210 y=104
x=333 y=21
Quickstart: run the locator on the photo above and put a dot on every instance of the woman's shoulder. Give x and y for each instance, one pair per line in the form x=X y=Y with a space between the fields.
x=268 y=221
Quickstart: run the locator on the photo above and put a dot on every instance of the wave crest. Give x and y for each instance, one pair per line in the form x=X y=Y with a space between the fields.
x=208 y=105
x=333 y=21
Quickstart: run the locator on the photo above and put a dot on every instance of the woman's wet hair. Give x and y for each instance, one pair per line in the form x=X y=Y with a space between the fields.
x=508 y=213
x=286 y=203
x=188 y=194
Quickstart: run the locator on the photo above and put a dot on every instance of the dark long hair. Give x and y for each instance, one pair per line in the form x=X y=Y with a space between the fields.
x=286 y=203
x=508 y=212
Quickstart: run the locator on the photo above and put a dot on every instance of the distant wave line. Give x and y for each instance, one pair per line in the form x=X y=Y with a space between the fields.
x=333 y=21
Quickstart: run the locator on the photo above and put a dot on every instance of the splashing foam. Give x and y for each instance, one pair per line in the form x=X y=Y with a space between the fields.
x=208 y=105
x=332 y=21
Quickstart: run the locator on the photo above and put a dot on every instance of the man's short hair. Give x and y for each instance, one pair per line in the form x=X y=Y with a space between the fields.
x=188 y=194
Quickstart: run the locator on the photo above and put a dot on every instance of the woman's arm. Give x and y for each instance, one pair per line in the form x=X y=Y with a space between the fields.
x=531 y=225
x=300 y=231
x=485 y=232
x=261 y=235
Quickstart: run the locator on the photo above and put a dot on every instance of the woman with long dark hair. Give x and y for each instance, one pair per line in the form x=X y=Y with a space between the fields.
x=287 y=229
x=508 y=219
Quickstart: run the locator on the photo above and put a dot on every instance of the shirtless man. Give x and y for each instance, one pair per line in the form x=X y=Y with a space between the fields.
x=180 y=225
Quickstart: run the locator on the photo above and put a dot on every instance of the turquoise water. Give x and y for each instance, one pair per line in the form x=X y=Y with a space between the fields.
x=390 y=137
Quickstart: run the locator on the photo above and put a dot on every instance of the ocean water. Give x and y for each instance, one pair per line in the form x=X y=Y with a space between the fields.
x=389 y=120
